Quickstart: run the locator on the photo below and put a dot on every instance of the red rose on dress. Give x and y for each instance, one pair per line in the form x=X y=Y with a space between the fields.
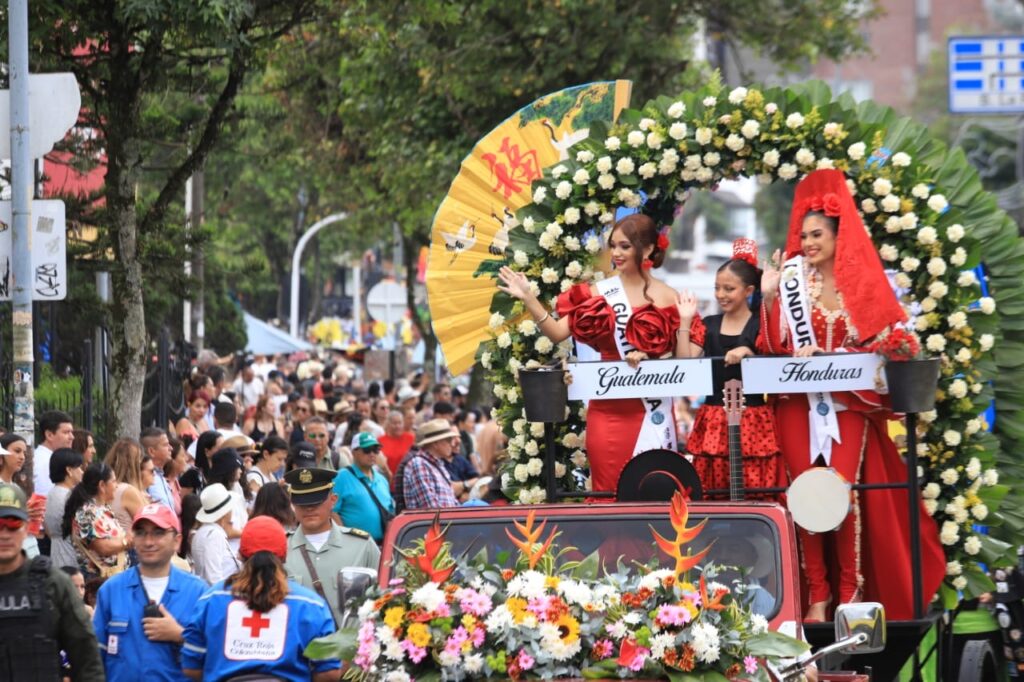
x=653 y=330
x=592 y=321
x=831 y=204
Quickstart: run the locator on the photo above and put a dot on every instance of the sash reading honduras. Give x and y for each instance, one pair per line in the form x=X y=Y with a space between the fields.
x=824 y=426
x=658 y=429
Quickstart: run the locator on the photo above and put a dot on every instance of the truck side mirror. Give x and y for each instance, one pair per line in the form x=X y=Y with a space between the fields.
x=866 y=618
x=353 y=584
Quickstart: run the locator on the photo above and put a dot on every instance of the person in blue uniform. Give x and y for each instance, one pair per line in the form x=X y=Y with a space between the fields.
x=257 y=621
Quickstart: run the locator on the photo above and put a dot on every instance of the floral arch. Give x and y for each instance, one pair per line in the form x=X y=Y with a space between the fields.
x=926 y=211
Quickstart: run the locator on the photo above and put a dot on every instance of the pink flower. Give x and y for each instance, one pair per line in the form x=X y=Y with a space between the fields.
x=415 y=653
x=454 y=643
x=602 y=649
x=475 y=603
x=524 y=660
x=396 y=581
x=539 y=607
x=632 y=655
x=442 y=611
x=750 y=663
x=670 y=614
x=478 y=637
x=364 y=652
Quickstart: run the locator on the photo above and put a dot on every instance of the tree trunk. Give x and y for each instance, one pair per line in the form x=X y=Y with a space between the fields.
x=411 y=253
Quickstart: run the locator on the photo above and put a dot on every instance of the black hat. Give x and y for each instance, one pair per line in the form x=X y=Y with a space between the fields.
x=656 y=475
x=309 y=486
x=224 y=461
x=12 y=502
x=302 y=454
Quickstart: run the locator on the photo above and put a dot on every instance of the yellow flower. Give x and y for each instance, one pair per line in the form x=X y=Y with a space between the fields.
x=551 y=582
x=393 y=617
x=468 y=621
x=517 y=607
x=568 y=628
x=418 y=634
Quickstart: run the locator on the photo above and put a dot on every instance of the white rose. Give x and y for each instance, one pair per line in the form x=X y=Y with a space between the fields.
x=635 y=138
x=927 y=235
x=825 y=163
x=936 y=267
x=581 y=176
x=929 y=416
x=734 y=142
x=951 y=437
x=703 y=175
x=972 y=427
x=966 y=278
x=890 y=203
x=920 y=191
x=571 y=243
x=604 y=164
x=629 y=197
x=692 y=162
x=856 y=151
x=539 y=194
x=972 y=545
x=654 y=140
x=546 y=241
x=954 y=568
x=725 y=120
x=625 y=166
x=573 y=269
x=677 y=130
x=667 y=164
x=712 y=158
x=832 y=129
x=750 y=129
x=521 y=259
x=528 y=224
x=921 y=323
x=892 y=224
x=987 y=304
x=955 y=233
x=869 y=206
x=959 y=257
x=504 y=340
x=593 y=244
x=709 y=101
x=950 y=533
x=543 y=345
x=937 y=203
x=592 y=208
x=676 y=110
x=931 y=491
x=903 y=282
x=888 y=252
x=928 y=304
x=584 y=156
x=979 y=511
x=771 y=158
x=520 y=473
x=990 y=477
x=647 y=170
x=930 y=506
x=881 y=187
x=958 y=388
x=563 y=190
x=959 y=582
x=794 y=121
x=564 y=286
x=572 y=215
x=985 y=342
x=787 y=171
x=703 y=136
x=554 y=229
x=612 y=143
x=771 y=108
x=534 y=465
x=957 y=320
x=526 y=328
x=804 y=156
x=908 y=221
x=606 y=180
x=496 y=320
x=558 y=171
x=909 y=264
x=549 y=276
x=976 y=388
x=935 y=343
x=901 y=159
x=738 y=95
x=973 y=468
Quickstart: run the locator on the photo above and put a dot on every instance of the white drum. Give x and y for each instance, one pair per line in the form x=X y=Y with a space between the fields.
x=819 y=499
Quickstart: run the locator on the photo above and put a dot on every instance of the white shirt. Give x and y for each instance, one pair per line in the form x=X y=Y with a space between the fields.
x=155 y=587
x=41 y=482
x=250 y=392
x=212 y=557
x=318 y=539
x=239 y=514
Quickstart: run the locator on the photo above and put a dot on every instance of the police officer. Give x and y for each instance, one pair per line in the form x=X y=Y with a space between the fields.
x=40 y=611
x=319 y=549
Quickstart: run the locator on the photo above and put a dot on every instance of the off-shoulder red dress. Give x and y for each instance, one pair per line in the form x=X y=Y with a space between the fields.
x=872 y=546
x=613 y=425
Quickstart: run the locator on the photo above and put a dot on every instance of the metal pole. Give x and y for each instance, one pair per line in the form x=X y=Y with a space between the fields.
x=163 y=376
x=87 y=406
x=915 y=514
x=198 y=262
x=357 y=301
x=549 y=462
x=22 y=181
x=186 y=305
x=293 y=326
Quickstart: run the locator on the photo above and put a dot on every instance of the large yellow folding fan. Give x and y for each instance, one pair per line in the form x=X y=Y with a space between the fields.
x=473 y=221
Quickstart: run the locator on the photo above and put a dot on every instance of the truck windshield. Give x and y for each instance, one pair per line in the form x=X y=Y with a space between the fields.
x=747 y=546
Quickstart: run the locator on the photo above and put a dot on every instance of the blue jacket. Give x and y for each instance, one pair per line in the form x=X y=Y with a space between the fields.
x=227 y=639
x=127 y=653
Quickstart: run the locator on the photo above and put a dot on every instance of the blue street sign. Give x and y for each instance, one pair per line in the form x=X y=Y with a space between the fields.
x=986 y=74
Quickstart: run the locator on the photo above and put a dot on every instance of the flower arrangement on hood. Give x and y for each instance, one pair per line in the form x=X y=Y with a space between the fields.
x=919 y=205
x=546 y=618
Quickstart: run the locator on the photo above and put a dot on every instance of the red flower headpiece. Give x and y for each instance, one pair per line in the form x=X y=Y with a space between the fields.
x=663 y=238
x=745 y=249
x=858 y=270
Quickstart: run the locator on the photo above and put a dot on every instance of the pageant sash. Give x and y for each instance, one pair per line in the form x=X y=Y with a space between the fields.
x=658 y=429
x=796 y=304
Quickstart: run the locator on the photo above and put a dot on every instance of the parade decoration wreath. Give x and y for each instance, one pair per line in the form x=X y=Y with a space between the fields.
x=925 y=209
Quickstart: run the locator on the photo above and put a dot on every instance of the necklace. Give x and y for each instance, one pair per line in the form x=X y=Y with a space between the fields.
x=814 y=287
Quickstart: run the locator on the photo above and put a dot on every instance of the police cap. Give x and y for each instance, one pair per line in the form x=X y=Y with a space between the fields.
x=309 y=486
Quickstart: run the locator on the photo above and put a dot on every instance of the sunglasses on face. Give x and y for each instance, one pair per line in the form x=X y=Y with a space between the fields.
x=11 y=524
x=301 y=408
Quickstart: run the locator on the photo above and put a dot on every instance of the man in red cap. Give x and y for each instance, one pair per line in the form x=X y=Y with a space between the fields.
x=140 y=614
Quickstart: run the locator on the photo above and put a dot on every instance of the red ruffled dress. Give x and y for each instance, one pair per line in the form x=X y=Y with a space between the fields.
x=871 y=549
x=613 y=425
x=709 y=440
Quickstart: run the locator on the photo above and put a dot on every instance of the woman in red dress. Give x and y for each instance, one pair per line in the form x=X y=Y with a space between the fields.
x=729 y=337
x=631 y=317
x=850 y=301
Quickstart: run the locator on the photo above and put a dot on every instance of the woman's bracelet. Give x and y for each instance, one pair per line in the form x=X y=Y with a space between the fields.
x=543 y=319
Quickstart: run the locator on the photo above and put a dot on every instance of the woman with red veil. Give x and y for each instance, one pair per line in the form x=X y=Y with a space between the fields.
x=844 y=289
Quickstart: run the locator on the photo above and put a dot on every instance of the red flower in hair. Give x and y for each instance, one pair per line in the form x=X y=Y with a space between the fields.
x=663 y=242
x=831 y=205
x=647 y=264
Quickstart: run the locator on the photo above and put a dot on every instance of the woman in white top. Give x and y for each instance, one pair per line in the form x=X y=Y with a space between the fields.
x=267 y=461
x=226 y=468
x=212 y=557
x=66 y=469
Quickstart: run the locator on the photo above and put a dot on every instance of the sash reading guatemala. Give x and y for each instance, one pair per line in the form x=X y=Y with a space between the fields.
x=824 y=426
x=658 y=429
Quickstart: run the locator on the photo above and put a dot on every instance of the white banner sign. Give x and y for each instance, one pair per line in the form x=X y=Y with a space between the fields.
x=49 y=251
x=651 y=379
x=832 y=372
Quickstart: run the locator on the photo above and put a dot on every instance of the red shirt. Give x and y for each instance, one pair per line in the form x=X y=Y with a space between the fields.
x=396 y=448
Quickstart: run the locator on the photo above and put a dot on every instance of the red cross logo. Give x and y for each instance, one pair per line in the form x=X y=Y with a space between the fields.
x=255 y=622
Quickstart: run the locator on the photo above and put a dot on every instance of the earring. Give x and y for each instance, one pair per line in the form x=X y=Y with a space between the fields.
x=647 y=264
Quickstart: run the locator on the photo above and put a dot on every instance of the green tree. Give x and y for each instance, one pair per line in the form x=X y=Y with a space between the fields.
x=159 y=80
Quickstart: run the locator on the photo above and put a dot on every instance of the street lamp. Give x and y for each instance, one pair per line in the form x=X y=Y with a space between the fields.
x=297 y=260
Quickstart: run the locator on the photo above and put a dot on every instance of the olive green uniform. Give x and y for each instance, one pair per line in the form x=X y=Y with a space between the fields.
x=345 y=547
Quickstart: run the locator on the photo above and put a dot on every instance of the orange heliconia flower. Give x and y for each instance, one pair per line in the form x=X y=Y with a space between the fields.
x=531 y=538
x=679 y=515
x=715 y=602
x=427 y=562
